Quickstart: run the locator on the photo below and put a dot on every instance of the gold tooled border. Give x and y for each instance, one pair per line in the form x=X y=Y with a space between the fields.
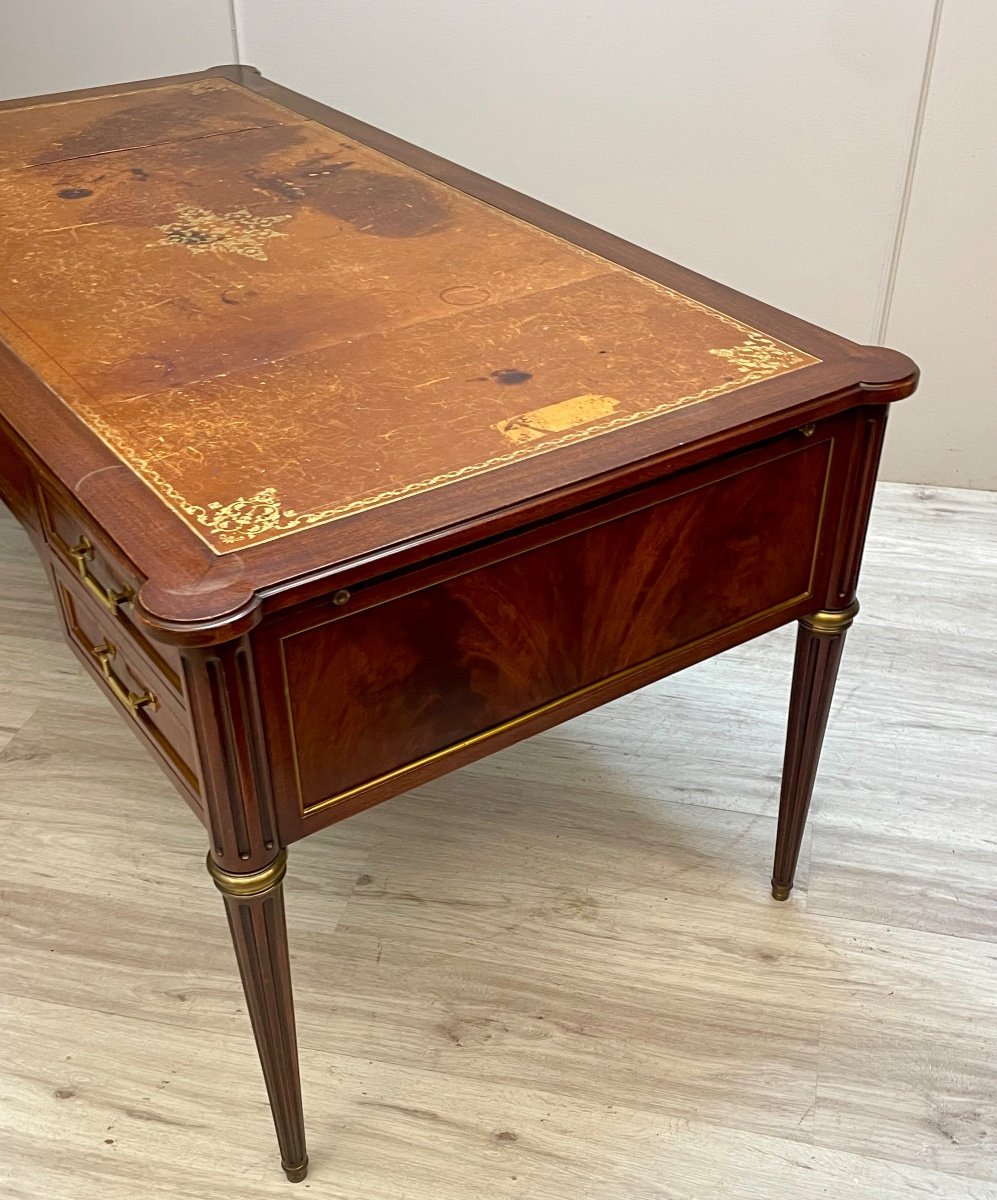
x=283 y=523
x=210 y=83
x=763 y=357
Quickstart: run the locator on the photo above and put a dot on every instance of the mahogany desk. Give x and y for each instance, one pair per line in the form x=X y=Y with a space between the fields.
x=349 y=466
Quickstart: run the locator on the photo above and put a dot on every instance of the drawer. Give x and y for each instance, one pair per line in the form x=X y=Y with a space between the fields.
x=407 y=680
x=130 y=681
x=100 y=571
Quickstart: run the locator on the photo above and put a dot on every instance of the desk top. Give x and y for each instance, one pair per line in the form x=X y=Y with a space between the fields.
x=276 y=341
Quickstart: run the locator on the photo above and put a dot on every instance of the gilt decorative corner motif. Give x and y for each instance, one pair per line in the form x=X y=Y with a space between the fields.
x=238 y=232
x=243 y=520
x=759 y=357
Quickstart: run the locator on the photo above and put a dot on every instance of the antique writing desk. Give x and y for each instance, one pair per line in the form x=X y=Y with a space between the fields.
x=349 y=466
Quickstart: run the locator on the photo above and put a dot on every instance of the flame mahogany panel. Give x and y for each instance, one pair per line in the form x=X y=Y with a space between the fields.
x=363 y=694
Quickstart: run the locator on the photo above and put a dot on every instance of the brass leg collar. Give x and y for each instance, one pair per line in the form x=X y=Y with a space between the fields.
x=296 y=1174
x=253 y=884
x=830 y=621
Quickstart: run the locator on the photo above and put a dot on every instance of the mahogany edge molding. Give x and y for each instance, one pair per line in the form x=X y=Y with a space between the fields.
x=222 y=598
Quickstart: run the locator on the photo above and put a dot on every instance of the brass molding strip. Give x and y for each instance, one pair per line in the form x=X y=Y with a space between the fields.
x=254 y=884
x=829 y=621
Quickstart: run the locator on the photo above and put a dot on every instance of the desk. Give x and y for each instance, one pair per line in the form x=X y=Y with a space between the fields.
x=349 y=466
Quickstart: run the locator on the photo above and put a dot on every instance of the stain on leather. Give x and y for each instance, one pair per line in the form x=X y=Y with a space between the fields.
x=510 y=376
x=375 y=202
x=164 y=116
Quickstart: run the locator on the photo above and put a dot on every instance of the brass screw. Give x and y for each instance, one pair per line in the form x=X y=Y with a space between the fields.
x=808 y=430
x=341 y=597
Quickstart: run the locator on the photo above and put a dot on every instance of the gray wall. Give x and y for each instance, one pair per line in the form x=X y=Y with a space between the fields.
x=54 y=45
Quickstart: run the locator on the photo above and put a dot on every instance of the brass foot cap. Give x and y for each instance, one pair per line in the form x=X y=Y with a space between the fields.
x=296 y=1174
x=780 y=891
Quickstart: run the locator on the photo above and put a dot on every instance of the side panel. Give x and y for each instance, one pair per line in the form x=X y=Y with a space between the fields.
x=15 y=481
x=398 y=685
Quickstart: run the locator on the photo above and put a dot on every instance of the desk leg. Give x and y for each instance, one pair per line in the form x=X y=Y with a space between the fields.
x=819 y=643
x=255 y=907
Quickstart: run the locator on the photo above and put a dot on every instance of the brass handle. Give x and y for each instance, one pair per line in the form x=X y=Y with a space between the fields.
x=133 y=701
x=82 y=552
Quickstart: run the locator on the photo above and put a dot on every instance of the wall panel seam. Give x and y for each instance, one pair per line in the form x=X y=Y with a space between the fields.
x=233 y=18
x=893 y=269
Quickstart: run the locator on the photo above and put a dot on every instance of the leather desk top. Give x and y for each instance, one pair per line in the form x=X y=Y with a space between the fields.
x=276 y=346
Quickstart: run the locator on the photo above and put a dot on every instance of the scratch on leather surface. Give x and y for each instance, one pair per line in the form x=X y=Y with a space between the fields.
x=275 y=326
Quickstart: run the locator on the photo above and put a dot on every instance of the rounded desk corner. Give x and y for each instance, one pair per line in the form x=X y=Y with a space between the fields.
x=201 y=616
x=887 y=375
x=231 y=70
x=248 y=74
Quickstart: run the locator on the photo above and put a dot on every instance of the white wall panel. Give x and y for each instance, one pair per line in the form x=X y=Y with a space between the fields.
x=55 y=45
x=763 y=142
x=944 y=310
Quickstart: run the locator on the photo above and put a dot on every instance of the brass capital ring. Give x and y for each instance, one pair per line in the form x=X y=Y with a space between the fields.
x=830 y=621
x=253 y=884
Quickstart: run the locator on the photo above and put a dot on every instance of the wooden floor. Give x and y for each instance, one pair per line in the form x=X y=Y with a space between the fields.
x=556 y=975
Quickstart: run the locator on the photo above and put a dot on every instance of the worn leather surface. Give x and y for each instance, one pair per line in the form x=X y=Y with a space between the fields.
x=275 y=326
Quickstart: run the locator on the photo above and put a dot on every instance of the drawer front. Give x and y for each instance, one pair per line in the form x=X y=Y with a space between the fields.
x=127 y=677
x=376 y=693
x=109 y=584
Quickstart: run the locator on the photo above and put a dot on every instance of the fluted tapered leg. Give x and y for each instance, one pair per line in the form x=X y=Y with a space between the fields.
x=255 y=907
x=819 y=643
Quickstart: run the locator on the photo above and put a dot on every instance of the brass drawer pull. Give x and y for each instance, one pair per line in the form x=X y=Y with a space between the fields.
x=133 y=701
x=82 y=552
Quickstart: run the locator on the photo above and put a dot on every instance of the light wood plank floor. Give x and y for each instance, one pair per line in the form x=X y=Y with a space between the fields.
x=554 y=975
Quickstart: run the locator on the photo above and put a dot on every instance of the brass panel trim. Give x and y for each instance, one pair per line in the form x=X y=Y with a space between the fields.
x=255 y=883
